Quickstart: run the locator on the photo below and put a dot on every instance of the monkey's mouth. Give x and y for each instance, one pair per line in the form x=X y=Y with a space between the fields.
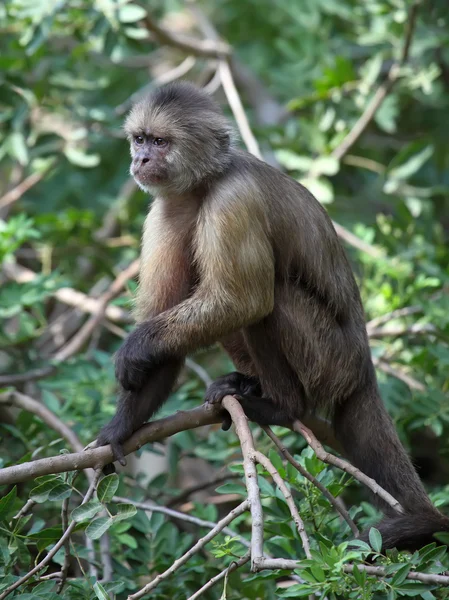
x=148 y=176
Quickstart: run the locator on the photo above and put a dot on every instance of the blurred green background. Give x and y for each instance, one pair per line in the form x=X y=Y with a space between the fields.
x=307 y=72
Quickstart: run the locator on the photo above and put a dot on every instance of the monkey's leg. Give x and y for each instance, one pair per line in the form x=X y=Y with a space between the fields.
x=134 y=408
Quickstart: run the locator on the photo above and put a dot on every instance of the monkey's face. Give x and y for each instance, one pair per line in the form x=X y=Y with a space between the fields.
x=179 y=139
x=149 y=165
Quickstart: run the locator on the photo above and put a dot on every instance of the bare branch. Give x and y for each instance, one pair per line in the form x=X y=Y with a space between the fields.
x=410 y=381
x=201 y=486
x=232 y=567
x=286 y=564
x=247 y=445
x=45 y=414
x=206 y=48
x=86 y=330
x=227 y=81
x=69 y=296
x=199 y=371
x=353 y=240
x=20 y=189
x=66 y=564
x=382 y=91
x=313 y=480
x=268 y=465
x=244 y=506
x=345 y=466
x=98 y=457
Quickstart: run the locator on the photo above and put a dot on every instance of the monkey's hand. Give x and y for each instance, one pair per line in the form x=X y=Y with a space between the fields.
x=234 y=384
x=137 y=357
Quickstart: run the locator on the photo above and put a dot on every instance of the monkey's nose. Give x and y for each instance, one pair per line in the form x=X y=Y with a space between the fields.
x=145 y=160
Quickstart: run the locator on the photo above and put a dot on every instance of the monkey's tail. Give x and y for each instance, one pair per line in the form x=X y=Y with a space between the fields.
x=371 y=443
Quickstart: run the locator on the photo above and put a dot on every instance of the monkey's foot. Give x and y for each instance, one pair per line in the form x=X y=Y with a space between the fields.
x=111 y=434
x=233 y=384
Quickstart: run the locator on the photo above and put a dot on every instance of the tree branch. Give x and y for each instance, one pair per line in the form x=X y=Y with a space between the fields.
x=268 y=466
x=232 y=567
x=313 y=480
x=382 y=91
x=287 y=564
x=244 y=506
x=56 y=547
x=345 y=466
x=98 y=457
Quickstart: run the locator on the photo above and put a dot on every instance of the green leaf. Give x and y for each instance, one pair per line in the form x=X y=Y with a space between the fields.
x=17 y=147
x=99 y=526
x=124 y=511
x=86 y=511
x=7 y=504
x=46 y=537
x=375 y=539
x=412 y=165
x=130 y=13
x=41 y=492
x=320 y=188
x=100 y=592
x=80 y=159
x=292 y=161
x=60 y=492
x=401 y=575
x=107 y=488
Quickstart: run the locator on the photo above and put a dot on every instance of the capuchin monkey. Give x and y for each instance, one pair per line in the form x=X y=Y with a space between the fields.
x=236 y=251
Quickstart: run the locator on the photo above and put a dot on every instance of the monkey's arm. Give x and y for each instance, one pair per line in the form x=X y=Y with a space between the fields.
x=236 y=267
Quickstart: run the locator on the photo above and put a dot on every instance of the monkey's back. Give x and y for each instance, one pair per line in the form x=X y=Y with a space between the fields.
x=318 y=316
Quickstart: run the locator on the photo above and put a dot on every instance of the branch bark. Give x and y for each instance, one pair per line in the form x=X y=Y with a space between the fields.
x=249 y=466
x=344 y=465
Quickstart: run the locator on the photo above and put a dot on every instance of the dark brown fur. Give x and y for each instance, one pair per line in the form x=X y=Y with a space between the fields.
x=235 y=250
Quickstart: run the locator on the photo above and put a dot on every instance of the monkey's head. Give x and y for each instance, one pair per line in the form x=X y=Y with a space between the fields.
x=179 y=139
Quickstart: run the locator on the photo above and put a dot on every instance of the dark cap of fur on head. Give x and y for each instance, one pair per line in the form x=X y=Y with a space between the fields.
x=200 y=136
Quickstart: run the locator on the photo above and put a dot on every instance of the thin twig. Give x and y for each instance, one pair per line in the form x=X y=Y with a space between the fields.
x=244 y=506
x=410 y=381
x=33 y=375
x=206 y=48
x=268 y=466
x=186 y=493
x=105 y=557
x=86 y=330
x=382 y=91
x=66 y=563
x=287 y=564
x=232 y=567
x=65 y=536
x=27 y=403
x=244 y=434
x=176 y=514
x=313 y=480
x=345 y=466
x=17 y=192
x=199 y=371
x=69 y=296
x=227 y=81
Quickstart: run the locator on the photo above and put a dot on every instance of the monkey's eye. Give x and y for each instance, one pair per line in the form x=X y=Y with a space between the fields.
x=159 y=142
x=139 y=140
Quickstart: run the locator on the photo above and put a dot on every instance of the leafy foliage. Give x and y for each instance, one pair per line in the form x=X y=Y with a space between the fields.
x=68 y=72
